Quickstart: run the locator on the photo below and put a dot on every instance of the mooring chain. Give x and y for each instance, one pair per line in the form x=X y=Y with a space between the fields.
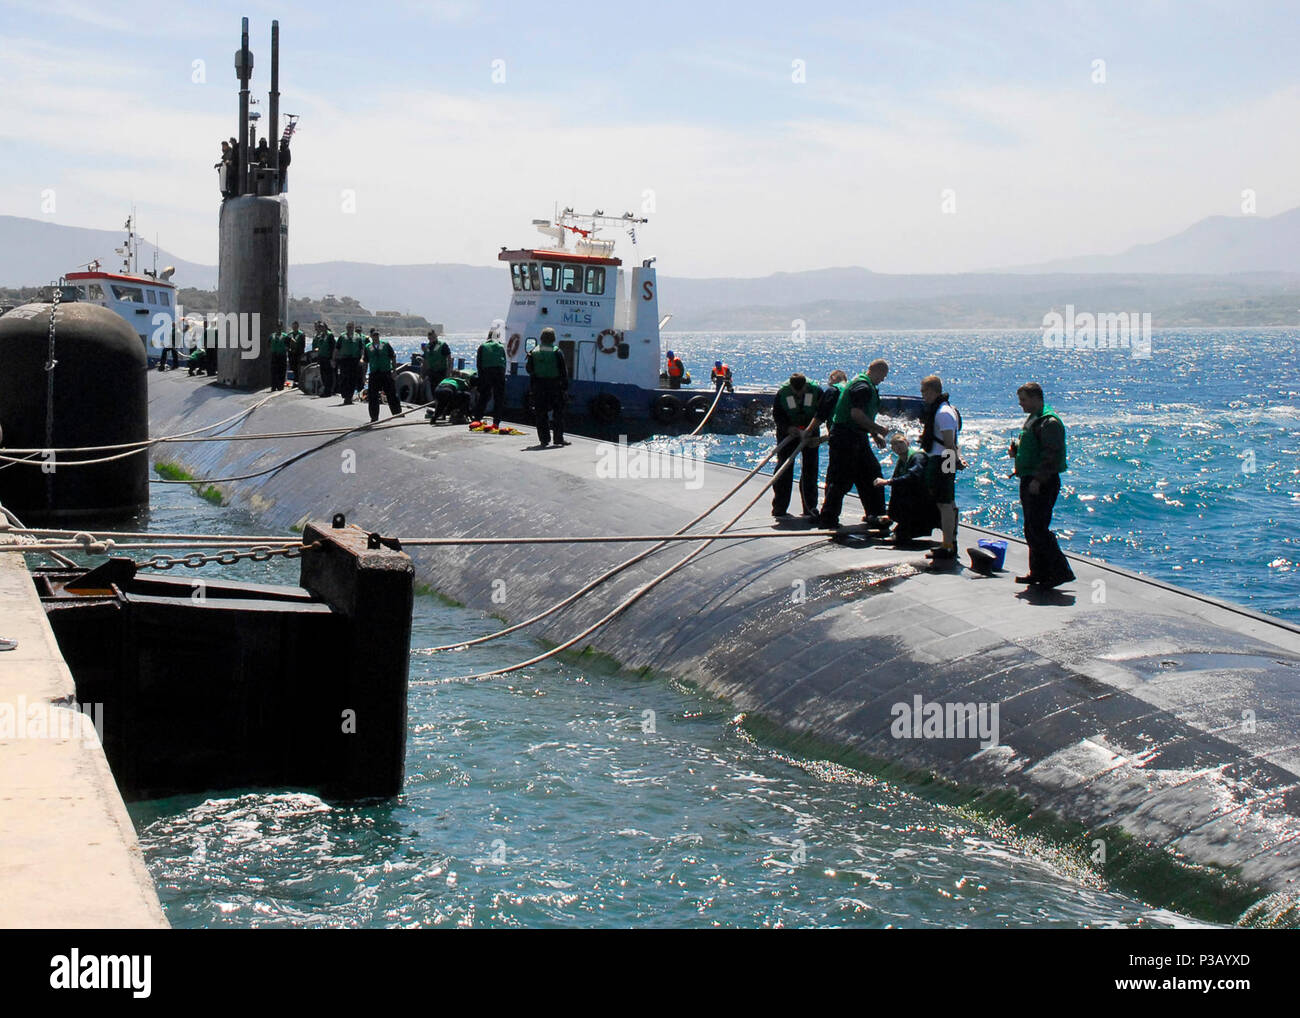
x=196 y=560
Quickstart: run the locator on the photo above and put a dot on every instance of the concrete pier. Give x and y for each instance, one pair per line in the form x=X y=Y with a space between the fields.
x=1150 y=729
x=69 y=858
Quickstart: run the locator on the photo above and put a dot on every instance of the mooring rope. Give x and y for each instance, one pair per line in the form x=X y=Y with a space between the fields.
x=700 y=427
x=367 y=426
x=145 y=442
x=607 y=575
x=630 y=600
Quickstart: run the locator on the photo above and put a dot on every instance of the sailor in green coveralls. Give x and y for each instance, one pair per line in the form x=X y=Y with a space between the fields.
x=550 y=384
x=381 y=360
x=322 y=348
x=853 y=464
x=491 y=377
x=349 y=349
x=793 y=409
x=279 y=357
x=437 y=360
x=297 y=343
x=453 y=397
x=1039 y=454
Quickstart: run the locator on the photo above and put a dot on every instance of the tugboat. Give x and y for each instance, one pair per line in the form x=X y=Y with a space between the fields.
x=138 y=297
x=608 y=332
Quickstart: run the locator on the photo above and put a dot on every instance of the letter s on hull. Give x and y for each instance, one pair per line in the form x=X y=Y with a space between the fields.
x=648 y=290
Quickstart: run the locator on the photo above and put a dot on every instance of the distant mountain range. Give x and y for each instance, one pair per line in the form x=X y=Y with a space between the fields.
x=1219 y=244
x=1221 y=271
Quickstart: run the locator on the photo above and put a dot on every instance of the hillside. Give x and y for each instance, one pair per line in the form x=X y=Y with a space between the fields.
x=1221 y=271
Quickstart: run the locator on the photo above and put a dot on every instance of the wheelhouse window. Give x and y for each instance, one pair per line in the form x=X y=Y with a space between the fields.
x=550 y=276
x=153 y=296
x=571 y=279
x=163 y=298
x=95 y=292
x=524 y=276
x=595 y=280
x=129 y=294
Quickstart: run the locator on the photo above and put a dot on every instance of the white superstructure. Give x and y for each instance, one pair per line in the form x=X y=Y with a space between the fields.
x=138 y=297
x=608 y=331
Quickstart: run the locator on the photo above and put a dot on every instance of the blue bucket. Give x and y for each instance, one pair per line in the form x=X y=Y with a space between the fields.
x=998 y=549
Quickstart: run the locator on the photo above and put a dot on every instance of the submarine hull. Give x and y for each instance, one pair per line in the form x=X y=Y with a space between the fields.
x=1146 y=718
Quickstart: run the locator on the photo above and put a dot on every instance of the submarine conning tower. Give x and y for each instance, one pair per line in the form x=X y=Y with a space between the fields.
x=253 y=278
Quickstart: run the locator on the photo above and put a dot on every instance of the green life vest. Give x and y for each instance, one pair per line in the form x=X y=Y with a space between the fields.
x=277 y=342
x=350 y=346
x=546 y=362
x=438 y=357
x=380 y=356
x=800 y=409
x=323 y=344
x=1029 y=452
x=900 y=468
x=844 y=406
x=458 y=384
x=299 y=340
x=493 y=354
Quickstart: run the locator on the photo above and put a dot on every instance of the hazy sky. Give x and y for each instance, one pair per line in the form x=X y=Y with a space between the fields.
x=691 y=106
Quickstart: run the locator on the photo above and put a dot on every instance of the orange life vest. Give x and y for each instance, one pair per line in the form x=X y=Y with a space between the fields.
x=675 y=367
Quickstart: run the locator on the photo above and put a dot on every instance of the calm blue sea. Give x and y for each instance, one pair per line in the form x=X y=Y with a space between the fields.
x=539 y=800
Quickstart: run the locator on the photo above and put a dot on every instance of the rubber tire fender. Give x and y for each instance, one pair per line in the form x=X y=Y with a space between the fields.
x=605 y=408
x=666 y=408
x=697 y=407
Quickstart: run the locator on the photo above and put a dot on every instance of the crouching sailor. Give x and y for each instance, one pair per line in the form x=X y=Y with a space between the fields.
x=452 y=397
x=911 y=507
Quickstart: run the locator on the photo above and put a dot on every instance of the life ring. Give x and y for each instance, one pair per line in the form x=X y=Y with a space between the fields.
x=697 y=407
x=615 y=335
x=605 y=408
x=666 y=408
x=512 y=347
